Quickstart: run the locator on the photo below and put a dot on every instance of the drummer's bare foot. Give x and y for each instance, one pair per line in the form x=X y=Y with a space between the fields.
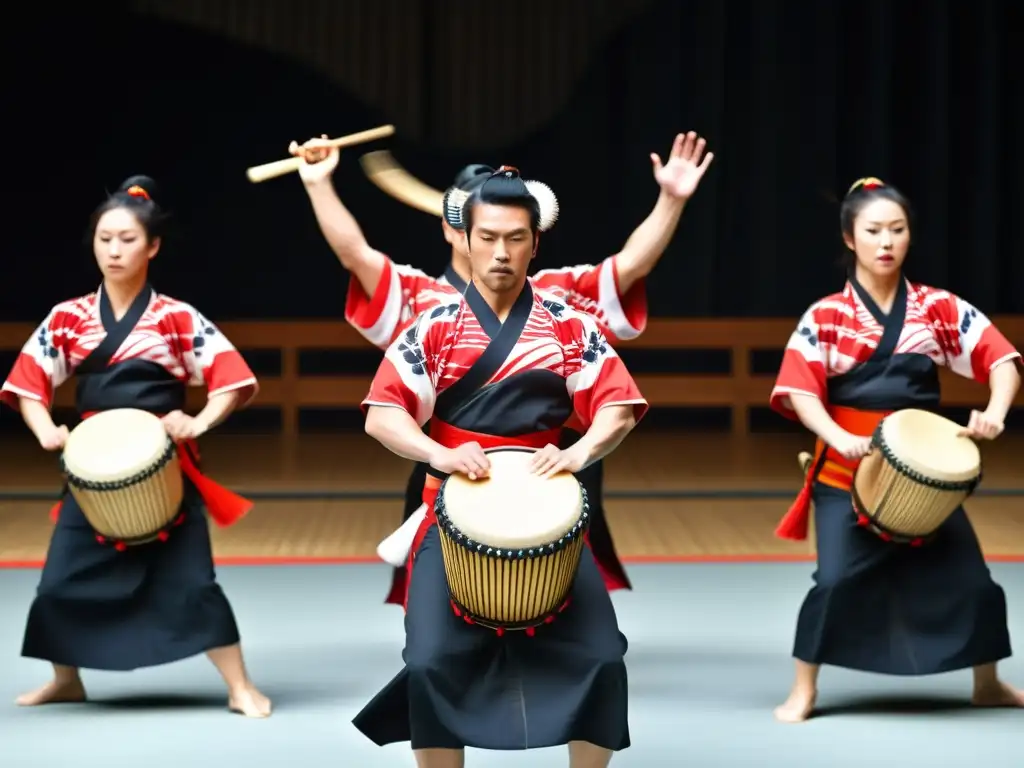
x=800 y=704
x=990 y=691
x=249 y=702
x=243 y=697
x=798 y=707
x=65 y=688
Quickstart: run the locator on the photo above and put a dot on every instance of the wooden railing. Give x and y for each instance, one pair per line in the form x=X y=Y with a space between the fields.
x=739 y=390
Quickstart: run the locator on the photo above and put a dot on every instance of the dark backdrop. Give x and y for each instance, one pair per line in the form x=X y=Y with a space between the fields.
x=797 y=98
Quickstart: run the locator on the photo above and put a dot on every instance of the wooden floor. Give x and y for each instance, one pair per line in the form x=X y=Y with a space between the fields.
x=671 y=496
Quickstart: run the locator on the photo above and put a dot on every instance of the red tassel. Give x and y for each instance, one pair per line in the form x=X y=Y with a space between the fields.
x=500 y=631
x=457 y=610
x=163 y=536
x=468 y=619
x=917 y=543
x=225 y=507
x=101 y=539
x=120 y=546
x=531 y=631
x=796 y=522
x=549 y=619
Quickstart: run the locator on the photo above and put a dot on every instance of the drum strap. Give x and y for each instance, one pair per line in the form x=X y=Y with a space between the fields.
x=829 y=468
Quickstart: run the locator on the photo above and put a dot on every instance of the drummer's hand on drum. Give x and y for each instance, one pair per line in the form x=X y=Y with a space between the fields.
x=180 y=426
x=319 y=159
x=550 y=460
x=852 y=447
x=53 y=437
x=468 y=459
x=982 y=426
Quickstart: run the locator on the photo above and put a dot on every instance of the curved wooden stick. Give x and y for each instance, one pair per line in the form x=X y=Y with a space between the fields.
x=385 y=172
x=267 y=171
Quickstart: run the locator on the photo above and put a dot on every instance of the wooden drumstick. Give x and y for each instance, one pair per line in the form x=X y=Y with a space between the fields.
x=804 y=459
x=267 y=171
x=385 y=172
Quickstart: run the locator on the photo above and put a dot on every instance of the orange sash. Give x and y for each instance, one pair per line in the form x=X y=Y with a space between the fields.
x=829 y=468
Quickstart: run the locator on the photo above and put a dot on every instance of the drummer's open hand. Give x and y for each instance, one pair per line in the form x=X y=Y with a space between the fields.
x=53 y=437
x=686 y=166
x=180 y=426
x=982 y=426
x=468 y=459
x=550 y=460
x=319 y=159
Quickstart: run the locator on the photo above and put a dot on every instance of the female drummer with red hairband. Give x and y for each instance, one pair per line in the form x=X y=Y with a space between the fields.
x=878 y=606
x=98 y=605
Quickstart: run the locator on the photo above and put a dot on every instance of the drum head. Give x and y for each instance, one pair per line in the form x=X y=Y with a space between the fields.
x=929 y=444
x=115 y=445
x=513 y=508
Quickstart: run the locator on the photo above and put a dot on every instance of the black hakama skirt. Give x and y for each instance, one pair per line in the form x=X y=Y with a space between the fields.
x=97 y=608
x=894 y=609
x=464 y=686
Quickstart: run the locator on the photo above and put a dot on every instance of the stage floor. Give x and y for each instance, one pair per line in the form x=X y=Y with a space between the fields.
x=671 y=496
x=708 y=660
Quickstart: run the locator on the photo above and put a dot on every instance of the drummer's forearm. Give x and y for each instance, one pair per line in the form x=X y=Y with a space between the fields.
x=397 y=430
x=812 y=414
x=1004 y=382
x=36 y=415
x=609 y=428
x=345 y=237
x=218 y=407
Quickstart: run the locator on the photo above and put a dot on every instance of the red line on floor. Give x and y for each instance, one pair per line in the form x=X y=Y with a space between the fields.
x=639 y=560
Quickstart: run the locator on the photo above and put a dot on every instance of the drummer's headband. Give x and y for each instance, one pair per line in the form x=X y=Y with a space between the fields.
x=456 y=195
x=547 y=204
x=868 y=182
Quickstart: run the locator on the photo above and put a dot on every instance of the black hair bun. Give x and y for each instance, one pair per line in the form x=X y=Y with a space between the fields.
x=472 y=176
x=140 y=186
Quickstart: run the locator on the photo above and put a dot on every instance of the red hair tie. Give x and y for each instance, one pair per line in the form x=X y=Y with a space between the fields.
x=136 y=191
x=868 y=182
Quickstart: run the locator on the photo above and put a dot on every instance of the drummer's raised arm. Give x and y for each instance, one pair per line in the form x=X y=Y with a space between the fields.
x=338 y=226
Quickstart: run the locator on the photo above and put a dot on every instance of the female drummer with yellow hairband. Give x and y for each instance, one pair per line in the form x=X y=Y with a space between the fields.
x=110 y=604
x=878 y=605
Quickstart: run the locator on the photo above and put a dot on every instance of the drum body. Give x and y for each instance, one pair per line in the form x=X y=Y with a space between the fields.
x=918 y=474
x=511 y=542
x=124 y=472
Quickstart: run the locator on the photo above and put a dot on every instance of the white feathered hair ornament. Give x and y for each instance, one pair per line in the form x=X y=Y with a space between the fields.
x=455 y=199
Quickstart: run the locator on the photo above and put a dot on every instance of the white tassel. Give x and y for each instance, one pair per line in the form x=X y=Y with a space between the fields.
x=546 y=201
x=394 y=550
